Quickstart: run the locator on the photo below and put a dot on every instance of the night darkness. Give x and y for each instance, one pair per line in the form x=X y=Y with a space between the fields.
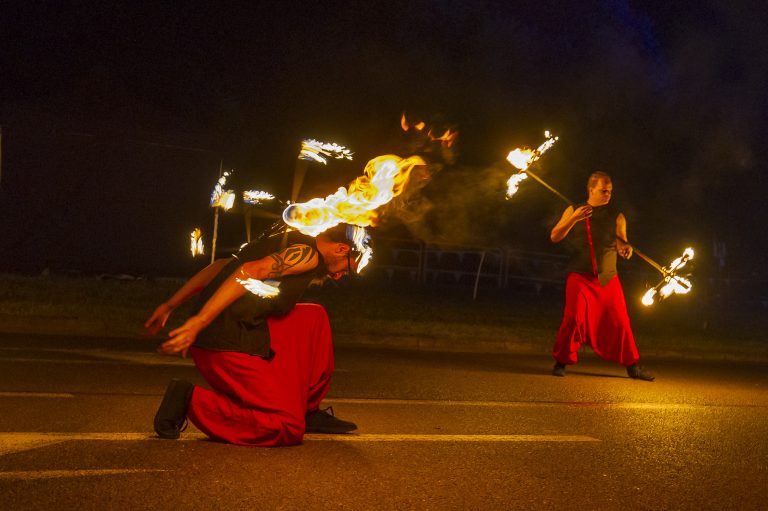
x=115 y=118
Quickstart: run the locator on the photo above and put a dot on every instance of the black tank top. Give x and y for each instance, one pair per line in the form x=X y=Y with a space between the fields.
x=603 y=228
x=242 y=326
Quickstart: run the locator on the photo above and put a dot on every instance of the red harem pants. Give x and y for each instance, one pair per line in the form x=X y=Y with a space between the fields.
x=253 y=401
x=596 y=316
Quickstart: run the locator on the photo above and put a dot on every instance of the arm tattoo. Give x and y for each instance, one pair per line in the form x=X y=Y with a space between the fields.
x=288 y=258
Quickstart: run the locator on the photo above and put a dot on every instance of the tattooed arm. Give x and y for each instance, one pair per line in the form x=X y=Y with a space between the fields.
x=293 y=260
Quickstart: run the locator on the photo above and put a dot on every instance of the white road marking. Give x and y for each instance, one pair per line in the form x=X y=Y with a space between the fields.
x=27 y=475
x=24 y=441
x=520 y=404
x=55 y=395
x=387 y=437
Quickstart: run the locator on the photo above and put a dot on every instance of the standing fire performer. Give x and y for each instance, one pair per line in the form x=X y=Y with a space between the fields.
x=268 y=360
x=595 y=309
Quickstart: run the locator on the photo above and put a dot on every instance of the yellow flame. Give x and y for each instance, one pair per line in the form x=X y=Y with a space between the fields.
x=676 y=285
x=384 y=178
x=264 y=289
x=315 y=150
x=513 y=183
x=196 y=242
x=648 y=297
x=360 y=240
x=521 y=158
x=256 y=196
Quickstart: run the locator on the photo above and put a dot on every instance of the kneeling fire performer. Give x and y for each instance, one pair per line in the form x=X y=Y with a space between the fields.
x=268 y=360
x=595 y=309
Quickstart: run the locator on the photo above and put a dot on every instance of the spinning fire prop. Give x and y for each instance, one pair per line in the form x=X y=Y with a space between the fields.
x=314 y=150
x=255 y=197
x=196 y=242
x=671 y=283
x=522 y=160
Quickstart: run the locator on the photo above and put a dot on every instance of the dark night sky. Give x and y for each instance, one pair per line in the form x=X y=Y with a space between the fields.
x=115 y=118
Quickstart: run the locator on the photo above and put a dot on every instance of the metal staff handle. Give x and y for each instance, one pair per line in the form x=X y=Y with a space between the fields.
x=568 y=201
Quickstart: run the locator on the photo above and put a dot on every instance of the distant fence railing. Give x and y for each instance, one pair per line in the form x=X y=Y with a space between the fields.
x=467 y=267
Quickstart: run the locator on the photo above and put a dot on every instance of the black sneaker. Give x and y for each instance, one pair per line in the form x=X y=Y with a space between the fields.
x=171 y=417
x=638 y=373
x=323 y=421
x=558 y=370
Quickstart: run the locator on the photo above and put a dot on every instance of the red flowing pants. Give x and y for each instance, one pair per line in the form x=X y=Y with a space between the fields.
x=254 y=401
x=596 y=316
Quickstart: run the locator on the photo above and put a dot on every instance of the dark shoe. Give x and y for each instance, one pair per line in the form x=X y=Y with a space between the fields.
x=323 y=421
x=171 y=417
x=638 y=373
x=558 y=370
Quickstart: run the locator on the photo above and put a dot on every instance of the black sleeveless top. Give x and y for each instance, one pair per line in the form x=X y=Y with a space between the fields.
x=242 y=326
x=603 y=227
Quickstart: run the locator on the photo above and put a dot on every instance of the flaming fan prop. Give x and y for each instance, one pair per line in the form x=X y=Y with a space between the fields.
x=196 y=242
x=671 y=283
x=522 y=159
x=314 y=150
x=256 y=197
x=220 y=199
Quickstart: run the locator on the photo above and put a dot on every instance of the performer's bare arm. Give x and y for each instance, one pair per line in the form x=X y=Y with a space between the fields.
x=190 y=288
x=622 y=243
x=570 y=218
x=293 y=260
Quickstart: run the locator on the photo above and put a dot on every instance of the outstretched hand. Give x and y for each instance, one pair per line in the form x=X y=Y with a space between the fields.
x=158 y=319
x=183 y=337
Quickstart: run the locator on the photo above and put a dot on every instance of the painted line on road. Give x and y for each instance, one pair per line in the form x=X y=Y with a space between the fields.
x=37 y=394
x=28 y=475
x=523 y=404
x=141 y=359
x=12 y=442
x=386 y=437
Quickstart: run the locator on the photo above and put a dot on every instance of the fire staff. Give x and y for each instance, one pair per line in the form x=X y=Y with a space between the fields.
x=595 y=309
x=268 y=361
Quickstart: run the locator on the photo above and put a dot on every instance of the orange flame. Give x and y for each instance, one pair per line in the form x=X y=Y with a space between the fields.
x=384 y=178
x=418 y=126
x=447 y=138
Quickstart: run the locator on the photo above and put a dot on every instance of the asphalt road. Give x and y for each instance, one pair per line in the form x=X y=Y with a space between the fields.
x=436 y=431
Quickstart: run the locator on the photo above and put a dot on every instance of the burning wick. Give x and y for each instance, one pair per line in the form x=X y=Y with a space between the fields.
x=221 y=198
x=314 y=150
x=265 y=289
x=256 y=197
x=521 y=159
x=671 y=283
x=196 y=242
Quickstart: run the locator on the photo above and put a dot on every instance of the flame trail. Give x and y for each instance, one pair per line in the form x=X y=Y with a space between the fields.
x=196 y=242
x=314 y=150
x=523 y=158
x=256 y=197
x=384 y=178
